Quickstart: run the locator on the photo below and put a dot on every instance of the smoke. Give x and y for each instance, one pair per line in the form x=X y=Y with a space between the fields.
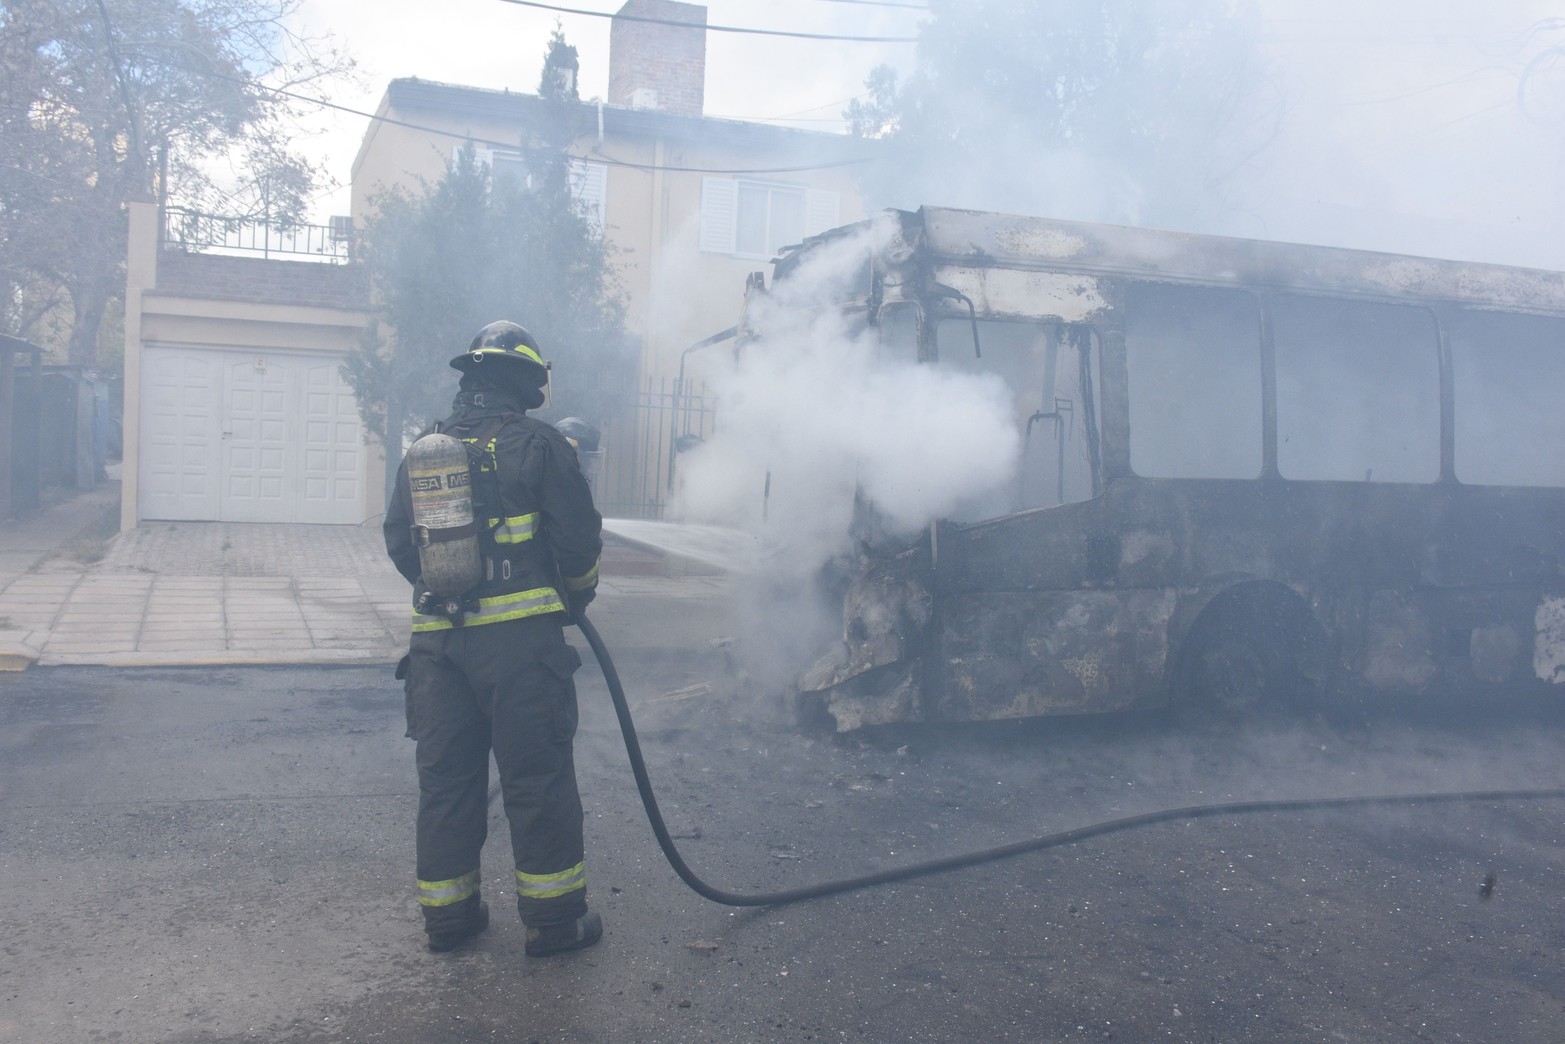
x=814 y=415
x=814 y=411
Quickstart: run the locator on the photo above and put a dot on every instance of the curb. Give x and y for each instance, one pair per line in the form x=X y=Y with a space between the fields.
x=14 y=658
x=231 y=658
x=19 y=648
x=17 y=659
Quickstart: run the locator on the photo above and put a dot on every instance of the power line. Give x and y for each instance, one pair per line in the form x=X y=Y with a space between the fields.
x=512 y=146
x=712 y=28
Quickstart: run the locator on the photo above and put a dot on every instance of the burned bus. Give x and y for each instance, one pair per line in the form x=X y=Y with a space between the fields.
x=1252 y=474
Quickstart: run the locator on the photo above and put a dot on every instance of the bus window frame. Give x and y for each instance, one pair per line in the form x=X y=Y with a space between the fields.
x=1440 y=344
x=1095 y=387
x=1268 y=416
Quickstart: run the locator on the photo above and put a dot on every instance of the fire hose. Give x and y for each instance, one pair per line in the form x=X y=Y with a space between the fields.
x=638 y=767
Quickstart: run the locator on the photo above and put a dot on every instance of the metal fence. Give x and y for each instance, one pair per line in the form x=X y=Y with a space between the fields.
x=195 y=232
x=667 y=419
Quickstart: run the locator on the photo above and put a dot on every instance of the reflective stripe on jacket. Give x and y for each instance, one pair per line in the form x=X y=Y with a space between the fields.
x=544 y=534
x=495 y=608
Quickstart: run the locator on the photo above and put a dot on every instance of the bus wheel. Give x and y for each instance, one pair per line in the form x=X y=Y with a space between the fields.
x=1233 y=673
x=1255 y=648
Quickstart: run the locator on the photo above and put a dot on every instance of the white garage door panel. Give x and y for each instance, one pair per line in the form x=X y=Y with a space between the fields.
x=332 y=460
x=248 y=437
x=254 y=440
x=179 y=454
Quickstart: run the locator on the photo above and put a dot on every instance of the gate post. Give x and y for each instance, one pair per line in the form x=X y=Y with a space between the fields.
x=141 y=274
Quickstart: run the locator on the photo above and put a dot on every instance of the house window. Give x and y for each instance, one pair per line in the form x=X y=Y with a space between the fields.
x=769 y=217
x=589 y=181
x=759 y=218
x=589 y=186
x=508 y=166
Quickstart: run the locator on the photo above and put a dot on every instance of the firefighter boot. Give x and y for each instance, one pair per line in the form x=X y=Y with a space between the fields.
x=450 y=932
x=560 y=938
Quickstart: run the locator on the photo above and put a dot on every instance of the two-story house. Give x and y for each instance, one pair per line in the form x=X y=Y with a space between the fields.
x=692 y=204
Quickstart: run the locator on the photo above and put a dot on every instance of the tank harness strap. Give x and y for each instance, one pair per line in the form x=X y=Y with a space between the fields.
x=423 y=536
x=485 y=442
x=506 y=531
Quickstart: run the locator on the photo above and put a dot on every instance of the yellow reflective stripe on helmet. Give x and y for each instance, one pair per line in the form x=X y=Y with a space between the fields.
x=444 y=893
x=516 y=529
x=551 y=886
x=585 y=580
x=520 y=349
x=514 y=606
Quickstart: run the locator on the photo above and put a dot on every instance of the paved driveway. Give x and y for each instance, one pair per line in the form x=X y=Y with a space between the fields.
x=209 y=593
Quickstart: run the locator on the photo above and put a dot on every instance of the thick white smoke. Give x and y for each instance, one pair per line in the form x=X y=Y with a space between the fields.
x=815 y=410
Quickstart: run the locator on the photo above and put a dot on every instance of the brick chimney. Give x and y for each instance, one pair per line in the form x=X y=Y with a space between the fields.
x=656 y=66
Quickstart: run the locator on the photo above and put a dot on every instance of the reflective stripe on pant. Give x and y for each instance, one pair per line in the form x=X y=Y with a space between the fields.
x=445 y=893
x=508 y=684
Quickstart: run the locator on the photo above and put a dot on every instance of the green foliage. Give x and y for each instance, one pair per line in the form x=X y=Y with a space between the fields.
x=560 y=65
x=470 y=250
x=104 y=100
x=1118 y=110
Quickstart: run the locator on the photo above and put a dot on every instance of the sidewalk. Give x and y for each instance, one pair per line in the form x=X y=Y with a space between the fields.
x=215 y=593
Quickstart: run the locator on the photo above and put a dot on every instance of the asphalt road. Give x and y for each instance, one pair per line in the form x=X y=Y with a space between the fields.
x=226 y=855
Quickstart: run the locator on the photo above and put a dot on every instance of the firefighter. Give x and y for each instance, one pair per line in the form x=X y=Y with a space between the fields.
x=492 y=669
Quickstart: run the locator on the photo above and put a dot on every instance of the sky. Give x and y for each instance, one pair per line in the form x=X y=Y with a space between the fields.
x=1403 y=132
x=1400 y=126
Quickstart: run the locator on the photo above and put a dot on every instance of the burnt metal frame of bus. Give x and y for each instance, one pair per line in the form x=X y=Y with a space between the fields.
x=935 y=629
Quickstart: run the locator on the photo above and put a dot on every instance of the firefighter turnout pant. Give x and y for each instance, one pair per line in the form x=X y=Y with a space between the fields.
x=507 y=686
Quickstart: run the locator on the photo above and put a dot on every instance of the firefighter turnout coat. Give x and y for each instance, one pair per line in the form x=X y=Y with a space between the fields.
x=498 y=674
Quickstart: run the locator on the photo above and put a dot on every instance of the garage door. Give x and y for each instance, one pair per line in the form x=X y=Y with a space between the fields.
x=248 y=437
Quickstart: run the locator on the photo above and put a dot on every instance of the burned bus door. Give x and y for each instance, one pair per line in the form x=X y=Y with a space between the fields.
x=1019 y=629
x=1052 y=371
x=901 y=332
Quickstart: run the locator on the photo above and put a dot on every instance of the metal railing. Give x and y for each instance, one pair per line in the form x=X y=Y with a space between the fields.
x=667 y=418
x=194 y=232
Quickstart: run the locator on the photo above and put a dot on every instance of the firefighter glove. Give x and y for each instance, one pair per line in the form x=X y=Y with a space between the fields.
x=576 y=602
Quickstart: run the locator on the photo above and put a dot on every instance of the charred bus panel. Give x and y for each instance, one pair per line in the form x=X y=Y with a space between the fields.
x=1251 y=471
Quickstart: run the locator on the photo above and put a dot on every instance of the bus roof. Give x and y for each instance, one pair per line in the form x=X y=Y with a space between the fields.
x=972 y=238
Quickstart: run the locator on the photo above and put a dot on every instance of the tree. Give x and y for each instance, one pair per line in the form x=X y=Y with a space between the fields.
x=1540 y=87
x=102 y=101
x=465 y=252
x=1109 y=110
x=474 y=248
x=557 y=83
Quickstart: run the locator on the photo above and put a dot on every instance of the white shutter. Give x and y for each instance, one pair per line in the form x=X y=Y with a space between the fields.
x=719 y=215
x=589 y=188
x=822 y=210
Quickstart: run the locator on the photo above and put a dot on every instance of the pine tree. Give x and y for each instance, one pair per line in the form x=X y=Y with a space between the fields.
x=470 y=250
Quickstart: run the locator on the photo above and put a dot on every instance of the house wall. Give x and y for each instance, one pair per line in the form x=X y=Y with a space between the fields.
x=655 y=164
x=676 y=294
x=257 y=281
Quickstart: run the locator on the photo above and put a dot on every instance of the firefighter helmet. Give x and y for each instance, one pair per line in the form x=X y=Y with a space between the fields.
x=505 y=340
x=581 y=434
